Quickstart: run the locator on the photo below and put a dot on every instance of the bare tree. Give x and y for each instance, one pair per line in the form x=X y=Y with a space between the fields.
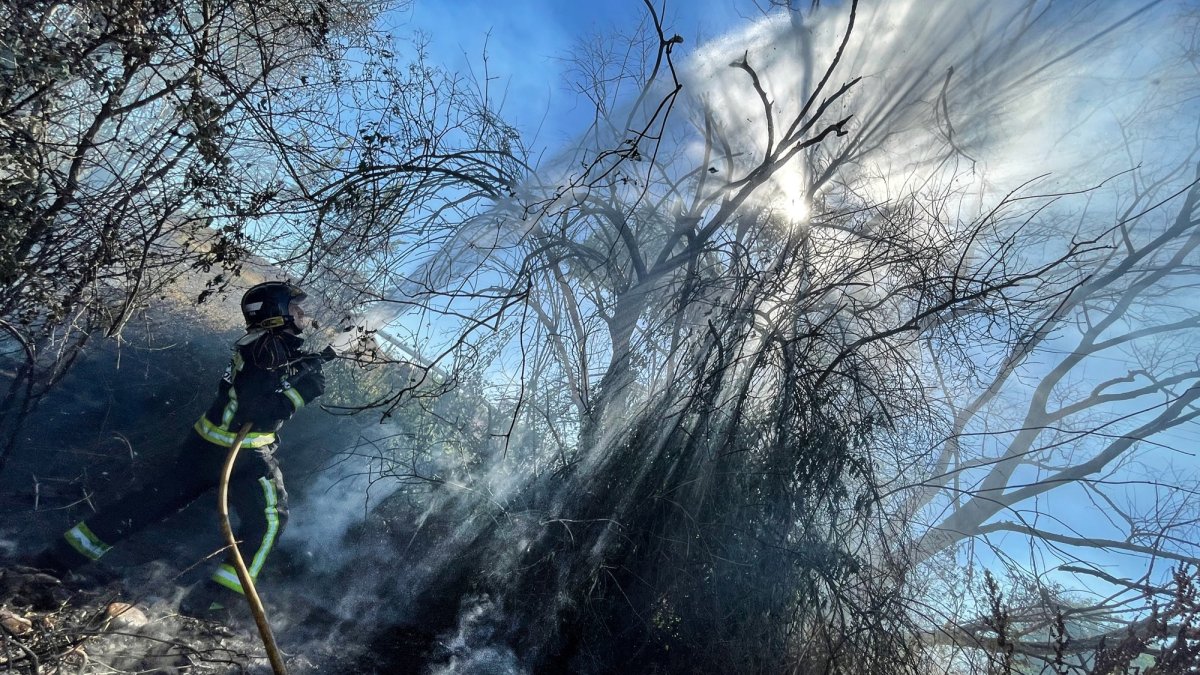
x=1077 y=415
x=741 y=316
x=127 y=129
x=754 y=362
x=143 y=142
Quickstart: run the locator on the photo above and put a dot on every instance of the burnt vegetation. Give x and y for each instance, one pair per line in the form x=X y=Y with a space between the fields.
x=726 y=387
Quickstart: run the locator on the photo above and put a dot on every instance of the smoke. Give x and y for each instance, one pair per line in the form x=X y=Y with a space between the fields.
x=473 y=648
x=341 y=497
x=1056 y=86
x=972 y=94
x=1013 y=88
x=978 y=96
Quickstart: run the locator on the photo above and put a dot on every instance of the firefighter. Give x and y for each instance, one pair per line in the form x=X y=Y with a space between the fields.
x=269 y=378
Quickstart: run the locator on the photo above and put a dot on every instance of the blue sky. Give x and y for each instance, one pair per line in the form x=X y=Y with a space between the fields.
x=528 y=42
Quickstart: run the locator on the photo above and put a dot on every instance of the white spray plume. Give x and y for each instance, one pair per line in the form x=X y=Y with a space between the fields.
x=1013 y=101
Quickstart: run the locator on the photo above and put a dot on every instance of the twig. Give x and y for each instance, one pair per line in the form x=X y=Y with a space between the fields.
x=34 y=663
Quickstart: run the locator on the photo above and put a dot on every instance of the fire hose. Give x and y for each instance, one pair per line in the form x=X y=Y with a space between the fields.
x=239 y=564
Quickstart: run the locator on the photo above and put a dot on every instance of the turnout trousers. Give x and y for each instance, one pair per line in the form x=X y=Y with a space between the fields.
x=256 y=494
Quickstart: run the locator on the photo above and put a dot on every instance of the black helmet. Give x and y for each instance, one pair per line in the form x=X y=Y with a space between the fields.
x=266 y=305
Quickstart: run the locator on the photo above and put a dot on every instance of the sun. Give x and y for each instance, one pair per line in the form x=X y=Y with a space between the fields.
x=790 y=198
x=796 y=210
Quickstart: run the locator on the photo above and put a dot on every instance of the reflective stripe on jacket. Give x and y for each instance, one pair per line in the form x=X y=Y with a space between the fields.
x=255 y=389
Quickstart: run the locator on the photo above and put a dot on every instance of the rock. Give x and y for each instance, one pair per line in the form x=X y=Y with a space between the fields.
x=15 y=624
x=125 y=615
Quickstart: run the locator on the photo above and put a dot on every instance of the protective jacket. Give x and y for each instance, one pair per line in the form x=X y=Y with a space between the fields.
x=264 y=384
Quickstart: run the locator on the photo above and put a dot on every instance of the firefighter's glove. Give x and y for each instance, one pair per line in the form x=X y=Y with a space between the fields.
x=310 y=384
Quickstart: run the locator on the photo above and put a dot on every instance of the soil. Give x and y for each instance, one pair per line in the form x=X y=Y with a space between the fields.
x=106 y=427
